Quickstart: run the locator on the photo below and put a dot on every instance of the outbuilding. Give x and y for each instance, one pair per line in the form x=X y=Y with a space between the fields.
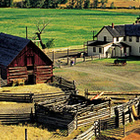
x=21 y=59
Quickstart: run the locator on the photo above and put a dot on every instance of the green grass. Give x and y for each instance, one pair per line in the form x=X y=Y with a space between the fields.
x=68 y=27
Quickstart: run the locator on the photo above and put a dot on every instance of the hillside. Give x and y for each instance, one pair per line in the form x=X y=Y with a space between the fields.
x=117 y=3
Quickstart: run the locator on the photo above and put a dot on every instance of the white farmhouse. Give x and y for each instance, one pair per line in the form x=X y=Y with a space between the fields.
x=116 y=41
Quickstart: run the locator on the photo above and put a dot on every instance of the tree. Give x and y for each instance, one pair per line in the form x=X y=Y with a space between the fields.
x=95 y=3
x=47 y=4
x=86 y=3
x=27 y=3
x=112 y=5
x=50 y=43
x=103 y=3
x=40 y=29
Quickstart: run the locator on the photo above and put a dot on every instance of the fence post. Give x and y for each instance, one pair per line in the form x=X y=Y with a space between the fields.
x=110 y=107
x=25 y=134
x=60 y=82
x=67 y=56
x=53 y=57
x=139 y=108
x=76 y=123
x=84 y=58
x=31 y=115
x=129 y=111
x=75 y=60
x=123 y=115
x=117 y=117
x=35 y=111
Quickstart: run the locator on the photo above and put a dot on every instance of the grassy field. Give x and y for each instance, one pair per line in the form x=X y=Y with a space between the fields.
x=68 y=27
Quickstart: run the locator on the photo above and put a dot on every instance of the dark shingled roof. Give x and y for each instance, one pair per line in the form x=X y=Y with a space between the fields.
x=132 y=30
x=123 y=30
x=117 y=31
x=10 y=47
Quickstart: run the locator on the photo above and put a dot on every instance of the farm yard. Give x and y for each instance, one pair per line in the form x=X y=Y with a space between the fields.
x=84 y=79
x=53 y=101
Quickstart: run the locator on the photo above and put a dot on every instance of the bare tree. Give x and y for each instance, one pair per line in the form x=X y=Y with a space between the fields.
x=41 y=28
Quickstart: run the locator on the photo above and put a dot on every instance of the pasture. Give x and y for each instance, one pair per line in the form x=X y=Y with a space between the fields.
x=69 y=27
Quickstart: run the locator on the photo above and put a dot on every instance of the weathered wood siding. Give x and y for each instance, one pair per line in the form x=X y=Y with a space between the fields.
x=30 y=61
x=43 y=73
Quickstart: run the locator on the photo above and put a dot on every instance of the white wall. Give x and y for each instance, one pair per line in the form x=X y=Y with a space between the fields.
x=119 y=40
x=103 y=33
x=104 y=50
x=134 y=45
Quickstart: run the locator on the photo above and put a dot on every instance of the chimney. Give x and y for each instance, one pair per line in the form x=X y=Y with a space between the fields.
x=113 y=25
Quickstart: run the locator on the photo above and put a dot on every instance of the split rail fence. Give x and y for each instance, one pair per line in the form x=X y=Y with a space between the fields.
x=120 y=116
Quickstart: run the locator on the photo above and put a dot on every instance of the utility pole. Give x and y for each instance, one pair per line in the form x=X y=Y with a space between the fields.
x=0 y=77
x=26 y=33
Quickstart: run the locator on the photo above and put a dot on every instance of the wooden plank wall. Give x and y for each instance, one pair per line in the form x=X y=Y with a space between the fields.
x=43 y=73
x=16 y=73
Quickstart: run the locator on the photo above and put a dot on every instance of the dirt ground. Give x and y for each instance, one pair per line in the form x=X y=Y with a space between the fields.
x=133 y=131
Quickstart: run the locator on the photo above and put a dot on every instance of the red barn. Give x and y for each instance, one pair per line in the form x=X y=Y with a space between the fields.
x=21 y=59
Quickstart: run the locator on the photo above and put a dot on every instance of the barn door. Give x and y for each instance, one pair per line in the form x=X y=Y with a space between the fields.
x=30 y=60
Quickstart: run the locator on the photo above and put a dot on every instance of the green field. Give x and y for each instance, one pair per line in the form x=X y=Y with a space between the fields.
x=68 y=27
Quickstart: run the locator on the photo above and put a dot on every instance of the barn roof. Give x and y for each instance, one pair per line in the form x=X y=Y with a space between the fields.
x=10 y=47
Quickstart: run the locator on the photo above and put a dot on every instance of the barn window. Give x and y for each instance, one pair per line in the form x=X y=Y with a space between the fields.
x=137 y=39
x=117 y=38
x=94 y=49
x=139 y=49
x=100 y=50
x=130 y=38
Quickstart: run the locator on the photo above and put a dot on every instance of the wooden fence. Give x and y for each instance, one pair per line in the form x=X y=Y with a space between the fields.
x=120 y=116
x=9 y=119
x=65 y=85
x=17 y=97
x=94 y=130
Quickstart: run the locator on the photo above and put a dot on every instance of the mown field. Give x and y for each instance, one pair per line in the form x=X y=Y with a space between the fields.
x=67 y=27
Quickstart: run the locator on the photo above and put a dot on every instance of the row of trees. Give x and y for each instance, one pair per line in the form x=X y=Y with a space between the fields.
x=78 y=4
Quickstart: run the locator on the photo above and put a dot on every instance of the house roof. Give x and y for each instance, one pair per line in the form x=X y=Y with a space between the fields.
x=10 y=47
x=99 y=43
x=132 y=30
x=121 y=44
x=117 y=31
x=123 y=30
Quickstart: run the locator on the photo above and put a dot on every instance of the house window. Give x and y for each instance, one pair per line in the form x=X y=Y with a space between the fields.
x=105 y=39
x=100 y=50
x=124 y=38
x=117 y=39
x=94 y=49
x=130 y=38
x=137 y=39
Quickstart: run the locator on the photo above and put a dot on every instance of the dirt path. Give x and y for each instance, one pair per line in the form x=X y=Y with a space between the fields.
x=133 y=80
x=133 y=131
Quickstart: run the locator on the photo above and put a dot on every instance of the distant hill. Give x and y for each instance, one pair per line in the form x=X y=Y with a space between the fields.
x=124 y=3
x=117 y=3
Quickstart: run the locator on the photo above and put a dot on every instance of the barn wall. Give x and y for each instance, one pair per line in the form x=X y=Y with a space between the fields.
x=30 y=64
